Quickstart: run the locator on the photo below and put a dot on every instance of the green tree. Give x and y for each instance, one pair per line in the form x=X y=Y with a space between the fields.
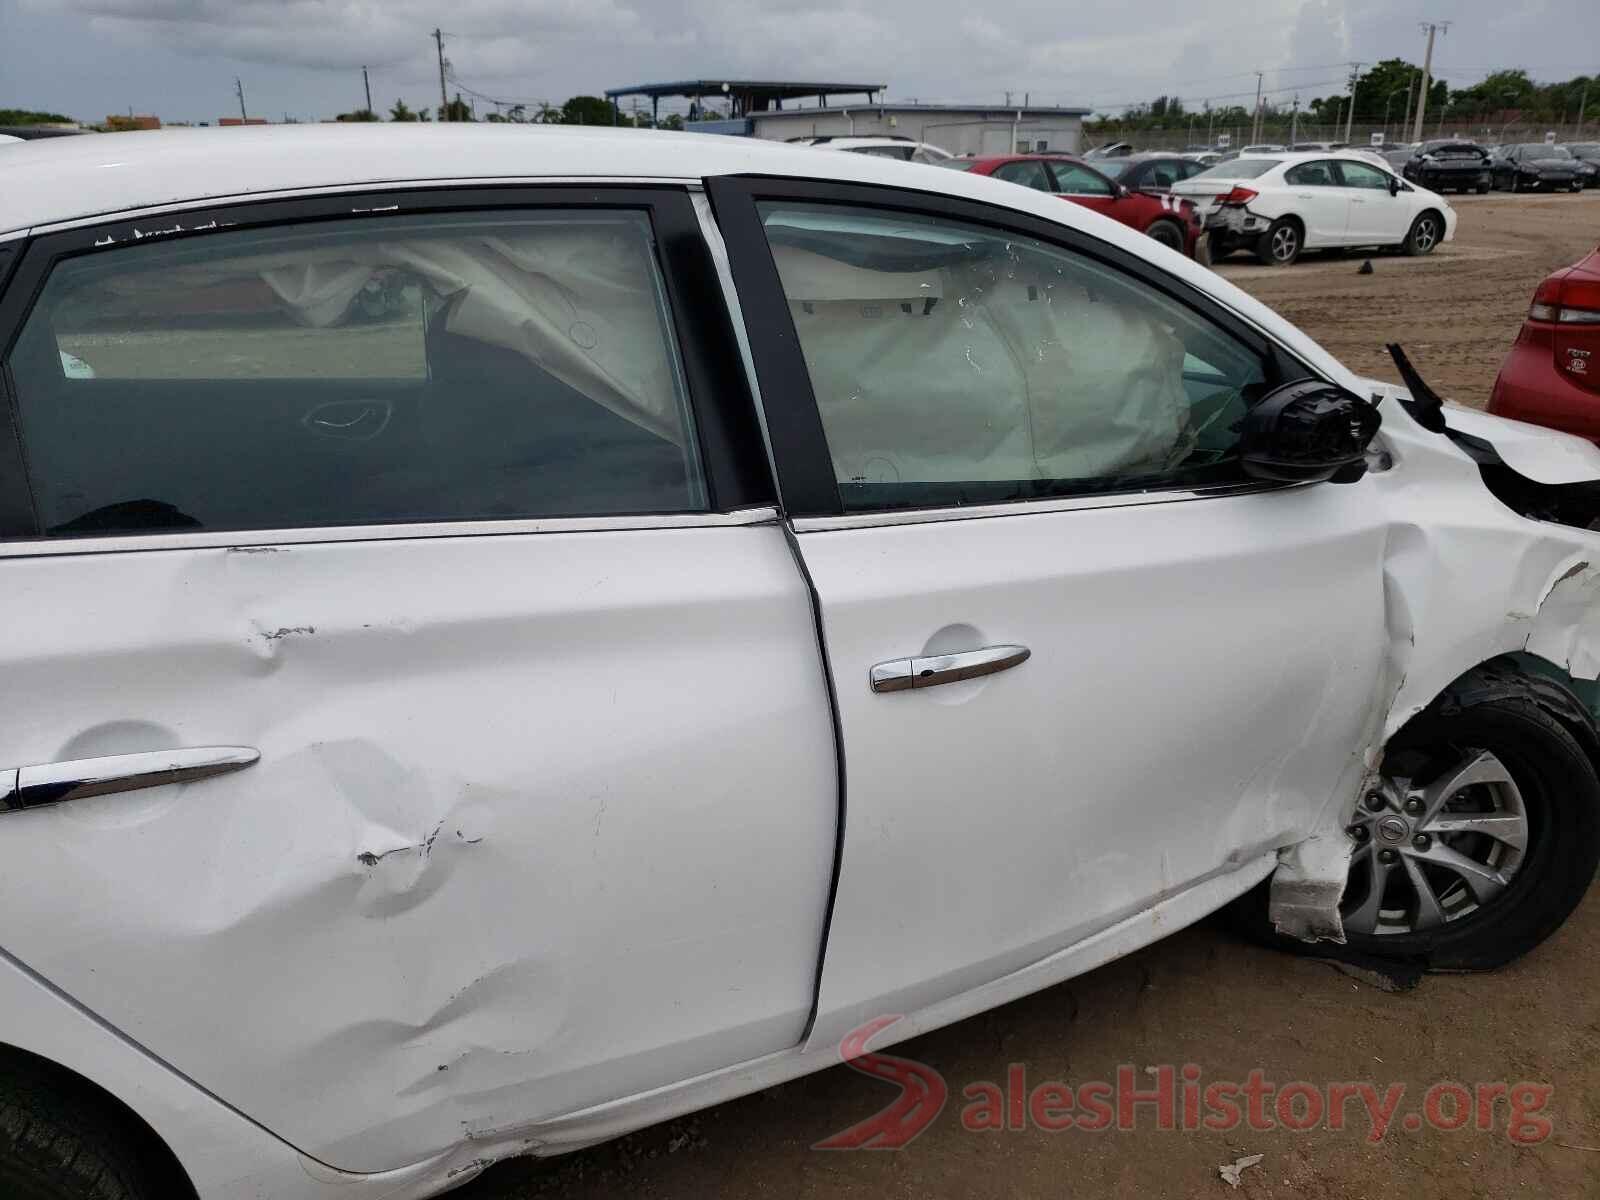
x=588 y=110
x=1385 y=86
x=28 y=116
x=456 y=110
x=401 y=112
x=671 y=121
x=360 y=114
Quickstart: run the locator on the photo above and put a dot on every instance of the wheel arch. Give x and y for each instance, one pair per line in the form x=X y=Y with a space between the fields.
x=1573 y=702
x=157 y=1159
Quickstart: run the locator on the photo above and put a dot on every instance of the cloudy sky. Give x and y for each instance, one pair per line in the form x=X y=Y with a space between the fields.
x=303 y=58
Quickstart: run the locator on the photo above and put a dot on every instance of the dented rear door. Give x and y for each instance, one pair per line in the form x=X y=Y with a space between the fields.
x=441 y=521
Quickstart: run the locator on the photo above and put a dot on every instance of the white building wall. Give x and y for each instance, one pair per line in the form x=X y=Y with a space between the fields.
x=974 y=131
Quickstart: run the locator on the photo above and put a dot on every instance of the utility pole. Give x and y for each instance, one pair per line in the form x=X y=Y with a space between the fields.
x=1294 y=122
x=1255 y=122
x=1405 y=121
x=239 y=88
x=1583 y=103
x=444 y=101
x=366 y=83
x=1350 y=116
x=1430 y=28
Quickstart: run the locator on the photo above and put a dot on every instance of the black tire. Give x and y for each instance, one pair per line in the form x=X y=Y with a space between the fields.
x=61 y=1140
x=1281 y=244
x=1168 y=234
x=1511 y=715
x=1483 y=189
x=1426 y=232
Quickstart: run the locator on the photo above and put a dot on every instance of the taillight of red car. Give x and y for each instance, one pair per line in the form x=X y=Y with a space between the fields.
x=1566 y=311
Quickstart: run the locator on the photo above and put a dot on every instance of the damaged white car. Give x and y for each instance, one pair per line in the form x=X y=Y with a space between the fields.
x=498 y=659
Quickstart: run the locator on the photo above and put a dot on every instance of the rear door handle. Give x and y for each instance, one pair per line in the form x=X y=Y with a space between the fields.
x=51 y=783
x=906 y=674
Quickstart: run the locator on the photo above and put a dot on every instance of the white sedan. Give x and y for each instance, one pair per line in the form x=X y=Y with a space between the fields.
x=1279 y=205
x=498 y=659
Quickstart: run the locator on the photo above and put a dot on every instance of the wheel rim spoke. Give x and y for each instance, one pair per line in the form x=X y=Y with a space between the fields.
x=1365 y=918
x=1429 y=914
x=1482 y=768
x=1508 y=828
x=1483 y=881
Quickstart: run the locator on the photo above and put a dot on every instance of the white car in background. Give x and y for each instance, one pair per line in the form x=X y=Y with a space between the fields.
x=1279 y=205
x=903 y=149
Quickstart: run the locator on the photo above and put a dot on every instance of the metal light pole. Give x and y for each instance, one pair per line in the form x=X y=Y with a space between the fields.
x=1350 y=114
x=1255 y=123
x=1431 y=28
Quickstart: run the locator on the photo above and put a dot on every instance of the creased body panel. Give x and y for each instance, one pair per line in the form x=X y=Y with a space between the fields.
x=1201 y=681
x=539 y=821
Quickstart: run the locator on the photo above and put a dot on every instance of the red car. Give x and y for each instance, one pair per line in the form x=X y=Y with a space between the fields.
x=1173 y=222
x=1552 y=375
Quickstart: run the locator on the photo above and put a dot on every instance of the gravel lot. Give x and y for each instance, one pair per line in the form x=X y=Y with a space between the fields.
x=1201 y=996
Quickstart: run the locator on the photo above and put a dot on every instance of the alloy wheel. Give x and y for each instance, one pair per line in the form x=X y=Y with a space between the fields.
x=1427 y=236
x=1284 y=243
x=1429 y=855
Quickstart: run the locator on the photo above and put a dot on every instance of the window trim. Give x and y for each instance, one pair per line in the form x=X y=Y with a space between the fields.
x=806 y=479
x=728 y=438
x=1113 y=186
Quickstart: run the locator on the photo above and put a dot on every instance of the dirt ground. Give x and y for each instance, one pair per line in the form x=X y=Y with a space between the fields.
x=1456 y=312
x=1202 y=996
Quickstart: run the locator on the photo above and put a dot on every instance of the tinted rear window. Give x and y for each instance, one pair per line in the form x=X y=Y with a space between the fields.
x=1240 y=168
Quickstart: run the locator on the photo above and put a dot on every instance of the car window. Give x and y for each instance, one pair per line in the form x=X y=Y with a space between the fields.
x=1163 y=175
x=1028 y=172
x=1311 y=174
x=397 y=369
x=927 y=154
x=1075 y=180
x=1361 y=175
x=1240 y=168
x=900 y=153
x=953 y=363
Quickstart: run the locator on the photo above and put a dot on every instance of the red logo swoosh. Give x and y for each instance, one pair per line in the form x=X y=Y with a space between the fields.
x=922 y=1095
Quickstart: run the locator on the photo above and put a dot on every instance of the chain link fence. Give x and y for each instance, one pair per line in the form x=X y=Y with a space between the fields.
x=1279 y=132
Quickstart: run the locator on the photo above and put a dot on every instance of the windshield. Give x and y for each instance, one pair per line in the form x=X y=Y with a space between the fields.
x=1452 y=150
x=1540 y=150
x=957 y=164
x=1239 y=168
x=1114 y=167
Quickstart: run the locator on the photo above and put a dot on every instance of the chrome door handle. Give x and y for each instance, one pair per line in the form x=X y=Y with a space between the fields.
x=906 y=674
x=51 y=783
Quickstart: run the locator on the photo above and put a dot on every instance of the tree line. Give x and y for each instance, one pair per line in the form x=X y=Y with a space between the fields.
x=1382 y=96
x=579 y=110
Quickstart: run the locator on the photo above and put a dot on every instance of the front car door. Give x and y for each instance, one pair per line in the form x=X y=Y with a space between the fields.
x=1321 y=200
x=1087 y=673
x=1378 y=216
x=1084 y=185
x=436 y=528
x=1029 y=172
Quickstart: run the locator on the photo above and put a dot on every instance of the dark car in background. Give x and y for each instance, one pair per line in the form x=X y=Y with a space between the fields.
x=1536 y=167
x=1588 y=157
x=1150 y=172
x=1449 y=165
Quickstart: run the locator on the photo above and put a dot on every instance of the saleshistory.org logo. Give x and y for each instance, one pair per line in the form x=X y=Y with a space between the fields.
x=1175 y=1098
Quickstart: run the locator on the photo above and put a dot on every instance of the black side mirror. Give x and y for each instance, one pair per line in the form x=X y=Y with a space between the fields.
x=1306 y=432
x=1394 y=186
